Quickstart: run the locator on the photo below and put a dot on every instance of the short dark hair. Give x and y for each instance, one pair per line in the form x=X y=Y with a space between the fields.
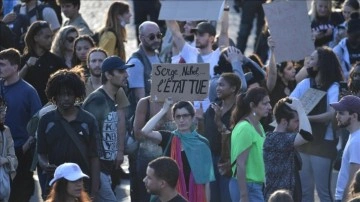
x=67 y=79
x=12 y=55
x=73 y=2
x=282 y=111
x=95 y=50
x=166 y=169
x=183 y=104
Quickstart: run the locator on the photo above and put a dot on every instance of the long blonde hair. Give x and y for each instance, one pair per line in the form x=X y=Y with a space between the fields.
x=313 y=12
x=58 y=44
x=112 y=23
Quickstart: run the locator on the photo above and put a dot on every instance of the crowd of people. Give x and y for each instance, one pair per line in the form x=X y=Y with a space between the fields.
x=72 y=97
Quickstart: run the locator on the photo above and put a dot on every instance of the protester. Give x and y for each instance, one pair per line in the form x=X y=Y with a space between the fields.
x=281 y=80
x=38 y=62
x=347 y=116
x=95 y=58
x=63 y=44
x=68 y=133
x=22 y=103
x=181 y=145
x=348 y=49
x=82 y=46
x=113 y=34
x=324 y=74
x=101 y=103
x=148 y=150
x=67 y=184
x=162 y=175
x=247 y=138
x=70 y=9
x=323 y=21
x=139 y=76
x=281 y=196
x=348 y=7
x=217 y=131
x=282 y=161
x=8 y=160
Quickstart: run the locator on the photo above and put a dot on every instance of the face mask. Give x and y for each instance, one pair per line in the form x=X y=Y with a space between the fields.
x=311 y=72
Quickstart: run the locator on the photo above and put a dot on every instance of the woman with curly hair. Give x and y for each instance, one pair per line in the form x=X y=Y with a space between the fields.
x=324 y=72
x=63 y=43
x=113 y=34
x=67 y=184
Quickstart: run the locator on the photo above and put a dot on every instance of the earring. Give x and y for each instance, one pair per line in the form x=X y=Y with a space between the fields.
x=254 y=113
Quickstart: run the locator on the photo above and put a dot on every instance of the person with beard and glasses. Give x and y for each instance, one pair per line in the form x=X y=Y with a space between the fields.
x=22 y=103
x=95 y=59
x=102 y=104
x=68 y=133
x=325 y=74
x=292 y=129
x=348 y=116
x=348 y=49
x=139 y=76
x=161 y=178
x=38 y=63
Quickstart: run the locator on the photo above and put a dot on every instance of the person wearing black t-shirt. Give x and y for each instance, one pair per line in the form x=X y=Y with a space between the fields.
x=37 y=62
x=161 y=178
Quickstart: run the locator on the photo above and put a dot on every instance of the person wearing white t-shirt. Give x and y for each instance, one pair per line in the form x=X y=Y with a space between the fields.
x=348 y=116
x=204 y=38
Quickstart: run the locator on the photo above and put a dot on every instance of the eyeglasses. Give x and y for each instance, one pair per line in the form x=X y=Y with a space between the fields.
x=183 y=116
x=70 y=39
x=152 y=36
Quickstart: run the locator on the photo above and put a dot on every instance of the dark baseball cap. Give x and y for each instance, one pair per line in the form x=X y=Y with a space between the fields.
x=204 y=27
x=114 y=62
x=349 y=103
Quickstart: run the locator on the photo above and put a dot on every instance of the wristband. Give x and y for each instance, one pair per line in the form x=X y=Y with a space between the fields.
x=227 y=9
x=306 y=135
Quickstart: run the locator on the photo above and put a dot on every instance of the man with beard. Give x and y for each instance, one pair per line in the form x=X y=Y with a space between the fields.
x=204 y=38
x=95 y=59
x=68 y=133
x=348 y=49
x=139 y=76
x=161 y=178
x=101 y=103
x=22 y=103
x=37 y=62
x=348 y=116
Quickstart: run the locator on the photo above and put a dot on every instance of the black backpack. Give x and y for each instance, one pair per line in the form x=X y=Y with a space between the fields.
x=22 y=22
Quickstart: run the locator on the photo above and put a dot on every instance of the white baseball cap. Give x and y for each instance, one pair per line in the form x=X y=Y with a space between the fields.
x=69 y=171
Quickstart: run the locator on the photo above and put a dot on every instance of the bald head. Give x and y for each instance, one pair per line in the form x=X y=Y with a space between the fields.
x=148 y=27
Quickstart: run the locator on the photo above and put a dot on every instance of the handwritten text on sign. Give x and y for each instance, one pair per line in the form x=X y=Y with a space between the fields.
x=186 y=82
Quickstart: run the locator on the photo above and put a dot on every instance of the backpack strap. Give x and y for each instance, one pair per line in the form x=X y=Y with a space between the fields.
x=80 y=145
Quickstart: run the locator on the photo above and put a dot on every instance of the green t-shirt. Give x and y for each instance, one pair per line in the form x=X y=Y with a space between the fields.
x=244 y=136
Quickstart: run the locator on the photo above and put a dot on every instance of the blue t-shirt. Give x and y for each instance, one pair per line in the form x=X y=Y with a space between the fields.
x=22 y=103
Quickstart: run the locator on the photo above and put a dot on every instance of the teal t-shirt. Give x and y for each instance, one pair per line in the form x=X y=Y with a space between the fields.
x=243 y=136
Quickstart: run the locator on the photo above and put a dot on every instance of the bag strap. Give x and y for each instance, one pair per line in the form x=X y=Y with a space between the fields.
x=72 y=134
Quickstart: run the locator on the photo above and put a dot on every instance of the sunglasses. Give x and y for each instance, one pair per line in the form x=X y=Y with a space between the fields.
x=70 y=39
x=183 y=116
x=152 y=36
